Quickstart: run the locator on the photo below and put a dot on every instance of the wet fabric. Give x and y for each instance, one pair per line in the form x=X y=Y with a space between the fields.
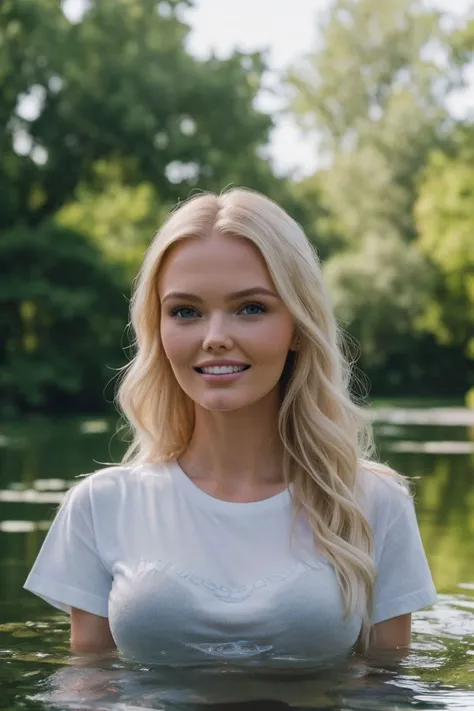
x=187 y=578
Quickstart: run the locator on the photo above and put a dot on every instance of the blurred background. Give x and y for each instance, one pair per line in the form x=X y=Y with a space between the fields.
x=357 y=116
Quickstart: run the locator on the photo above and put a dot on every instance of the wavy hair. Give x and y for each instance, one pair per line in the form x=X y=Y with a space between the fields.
x=326 y=436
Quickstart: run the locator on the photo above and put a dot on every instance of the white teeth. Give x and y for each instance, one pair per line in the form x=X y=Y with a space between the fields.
x=223 y=369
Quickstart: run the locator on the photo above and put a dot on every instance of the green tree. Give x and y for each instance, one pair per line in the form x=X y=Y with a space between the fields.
x=462 y=46
x=32 y=37
x=445 y=220
x=378 y=291
x=62 y=314
x=373 y=92
x=315 y=215
x=445 y=217
x=104 y=124
x=120 y=219
x=120 y=86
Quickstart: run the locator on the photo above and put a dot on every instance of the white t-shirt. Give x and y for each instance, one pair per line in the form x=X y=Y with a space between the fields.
x=187 y=578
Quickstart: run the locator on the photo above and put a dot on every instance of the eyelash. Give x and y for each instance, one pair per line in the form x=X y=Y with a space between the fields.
x=175 y=311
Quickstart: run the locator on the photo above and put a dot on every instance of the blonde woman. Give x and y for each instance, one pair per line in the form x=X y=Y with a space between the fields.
x=247 y=521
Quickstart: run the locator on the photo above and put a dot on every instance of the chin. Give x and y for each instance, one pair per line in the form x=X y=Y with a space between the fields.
x=224 y=402
x=221 y=404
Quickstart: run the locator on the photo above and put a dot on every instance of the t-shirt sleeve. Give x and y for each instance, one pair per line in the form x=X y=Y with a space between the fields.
x=68 y=571
x=403 y=583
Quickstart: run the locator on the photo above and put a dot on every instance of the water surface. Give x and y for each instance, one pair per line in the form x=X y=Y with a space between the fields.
x=39 y=462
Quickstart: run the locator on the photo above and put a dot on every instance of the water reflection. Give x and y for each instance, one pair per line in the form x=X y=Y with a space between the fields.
x=58 y=680
x=438 y=673
x=24 y=526
x=30 y=496
x=445 y=416
x=159 y=689
x=433 y=447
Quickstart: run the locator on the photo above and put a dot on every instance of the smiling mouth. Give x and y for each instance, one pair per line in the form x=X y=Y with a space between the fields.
x=222 y=369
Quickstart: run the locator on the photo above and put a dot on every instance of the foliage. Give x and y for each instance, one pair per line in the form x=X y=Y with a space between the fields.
x=119 y=85
x=104 y=124
x=379 y=290
x=374 y=90
x=317 y=218
x=369 y=54
x=62 y=315
x=106 y=121
x=119 y=219
x=373 y=93
x=470 y=399
x=462 y=44
x=445 y=216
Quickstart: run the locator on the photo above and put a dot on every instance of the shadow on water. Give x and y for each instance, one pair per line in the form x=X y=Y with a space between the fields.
x=38 y=672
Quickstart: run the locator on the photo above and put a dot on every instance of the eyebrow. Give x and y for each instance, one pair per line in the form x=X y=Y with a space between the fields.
x=254 y=291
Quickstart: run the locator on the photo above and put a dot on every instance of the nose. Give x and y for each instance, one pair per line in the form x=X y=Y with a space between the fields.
x=217 y=336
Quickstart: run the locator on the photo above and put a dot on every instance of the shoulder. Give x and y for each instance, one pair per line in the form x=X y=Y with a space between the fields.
x=384 y=494
x=116 y=482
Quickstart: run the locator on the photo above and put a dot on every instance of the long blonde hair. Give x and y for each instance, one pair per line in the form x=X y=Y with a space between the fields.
x=326 y=436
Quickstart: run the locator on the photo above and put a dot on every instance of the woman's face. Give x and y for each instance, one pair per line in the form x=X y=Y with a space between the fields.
x=224 y=329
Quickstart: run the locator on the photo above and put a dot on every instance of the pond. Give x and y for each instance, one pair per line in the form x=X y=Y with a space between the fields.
x=39 y=462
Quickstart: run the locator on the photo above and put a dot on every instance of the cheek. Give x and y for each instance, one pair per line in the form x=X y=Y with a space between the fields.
x=273 y=342
x=176 y=342
x=274 y=354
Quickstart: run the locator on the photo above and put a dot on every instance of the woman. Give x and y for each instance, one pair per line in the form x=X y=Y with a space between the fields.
x=247 y=520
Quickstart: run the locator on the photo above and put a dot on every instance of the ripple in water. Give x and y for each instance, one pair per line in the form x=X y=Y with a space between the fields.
x=37 y=671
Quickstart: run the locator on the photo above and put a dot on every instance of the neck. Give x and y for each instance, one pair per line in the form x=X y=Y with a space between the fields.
x=236 y=449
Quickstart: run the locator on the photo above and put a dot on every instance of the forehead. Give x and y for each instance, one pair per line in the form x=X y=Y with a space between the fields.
x=230 y=262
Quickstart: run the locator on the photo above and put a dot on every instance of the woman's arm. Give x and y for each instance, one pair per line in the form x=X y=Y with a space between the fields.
x=392 y=634
x=90 y=633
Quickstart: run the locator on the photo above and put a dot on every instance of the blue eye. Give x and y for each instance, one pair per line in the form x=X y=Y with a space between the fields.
x=253 y=309
x=184 y=312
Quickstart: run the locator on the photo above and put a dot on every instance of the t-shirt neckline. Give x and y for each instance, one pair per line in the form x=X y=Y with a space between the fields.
x=272 y=503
